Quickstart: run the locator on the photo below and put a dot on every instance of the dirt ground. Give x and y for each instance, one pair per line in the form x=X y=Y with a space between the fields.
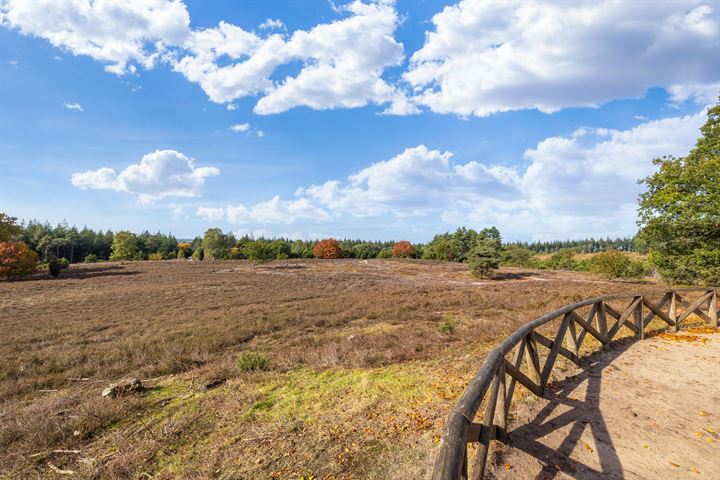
x=642 y=410
x=364 y=361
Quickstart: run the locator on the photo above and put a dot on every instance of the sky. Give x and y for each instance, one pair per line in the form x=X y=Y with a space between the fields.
x=366 y=119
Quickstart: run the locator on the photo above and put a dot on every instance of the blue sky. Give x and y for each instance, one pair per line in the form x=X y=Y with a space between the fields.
x=378 y=120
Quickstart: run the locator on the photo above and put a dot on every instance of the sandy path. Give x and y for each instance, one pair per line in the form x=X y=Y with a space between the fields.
x=643 y=410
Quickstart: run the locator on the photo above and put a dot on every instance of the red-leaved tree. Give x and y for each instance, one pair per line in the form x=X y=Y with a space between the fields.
x=16 y=260
x=403 y=249
x=327 y=248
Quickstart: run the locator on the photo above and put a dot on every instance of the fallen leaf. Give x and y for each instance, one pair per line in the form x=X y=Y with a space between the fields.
x=694 y=470
x=702 y=414
x=508 y=466
x=588 y=447
x=674 y=464
x=646 y=446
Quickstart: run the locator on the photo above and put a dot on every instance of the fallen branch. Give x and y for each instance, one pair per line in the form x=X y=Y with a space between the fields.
x=60 y=471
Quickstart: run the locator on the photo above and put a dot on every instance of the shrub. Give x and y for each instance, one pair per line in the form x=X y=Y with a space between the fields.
x=252 y=362
x=614 y=264
x=63 y=262
x=54 y=267
x=91 y=258
x=198 y=254
x=181 y=254
x=485 y=257
x=124 y=246
x=16 y=260
x=516 y=256
x=327 y=248
x=403 y=249
x=155 y=256
x=562 y=260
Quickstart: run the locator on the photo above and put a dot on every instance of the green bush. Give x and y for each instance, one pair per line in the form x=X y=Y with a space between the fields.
x=485 y=257
x=63 y=262
x=252 y=362
x=516 y=256
x=614 y=264
x=91 y=258
x=54 y=267
x=562 y=260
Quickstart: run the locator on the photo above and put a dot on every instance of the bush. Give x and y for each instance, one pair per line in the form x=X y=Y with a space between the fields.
x=385 y=253
x=516 y=256
x=327 y=248
x=485 y=257
x=198 y=254
x=54 y=267
x=63 y=262
x=252 y=362
x=614 y=264
x=155 y=256
x=403 y=249
x=562 y=260
x=181 y=254
x=16 y=260
x=91 y=258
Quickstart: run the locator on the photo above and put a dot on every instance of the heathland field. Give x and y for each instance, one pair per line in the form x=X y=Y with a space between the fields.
x=291 y=369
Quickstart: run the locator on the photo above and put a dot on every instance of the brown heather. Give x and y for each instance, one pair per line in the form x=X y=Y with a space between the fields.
x=360 y=373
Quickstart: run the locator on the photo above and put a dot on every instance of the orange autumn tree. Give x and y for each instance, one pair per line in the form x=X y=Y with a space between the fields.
x=403 y=249
x=16 y=260
x=327 y=248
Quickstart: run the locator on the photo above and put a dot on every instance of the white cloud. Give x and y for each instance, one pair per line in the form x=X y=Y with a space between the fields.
x=698 y=93
x=231 y=107
x=581 y=184
x=73 y=106
x=118 y=33
x=273 y=211
x=240 y=127
x=260 y=133
x=272 y=24
x=343 y=62
x=486 y=57
x=160 y=174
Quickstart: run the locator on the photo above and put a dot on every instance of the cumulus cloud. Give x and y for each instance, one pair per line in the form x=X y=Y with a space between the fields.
x=117 y=33
x=487 y=57
x=581 y=184
x=273 y=211
x=160 y=174
x=73 y=106
x=343 y=62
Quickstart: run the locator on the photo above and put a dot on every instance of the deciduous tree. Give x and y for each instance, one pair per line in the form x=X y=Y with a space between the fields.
x=679 y=214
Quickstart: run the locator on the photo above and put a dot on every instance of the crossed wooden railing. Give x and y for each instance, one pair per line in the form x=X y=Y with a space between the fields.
x=490 y=383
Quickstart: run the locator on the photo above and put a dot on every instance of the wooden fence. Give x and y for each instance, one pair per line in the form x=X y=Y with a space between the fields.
x=496 y=380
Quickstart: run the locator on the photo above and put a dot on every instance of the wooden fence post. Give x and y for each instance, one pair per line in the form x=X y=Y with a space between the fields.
x=672 y=310
x=713 y=308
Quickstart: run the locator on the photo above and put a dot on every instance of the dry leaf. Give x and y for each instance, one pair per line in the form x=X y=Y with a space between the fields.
x=588 y=447
x=674 y=464
x=694 y=470
x=508 y=466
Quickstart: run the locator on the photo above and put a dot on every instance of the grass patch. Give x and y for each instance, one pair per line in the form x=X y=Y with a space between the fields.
x=252 y=362
x=306 y=392
x=447 y=327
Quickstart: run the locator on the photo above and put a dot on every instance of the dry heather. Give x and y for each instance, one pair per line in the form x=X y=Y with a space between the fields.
x=364 y=361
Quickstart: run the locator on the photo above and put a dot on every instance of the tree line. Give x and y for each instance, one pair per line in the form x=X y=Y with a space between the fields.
x=679 y=220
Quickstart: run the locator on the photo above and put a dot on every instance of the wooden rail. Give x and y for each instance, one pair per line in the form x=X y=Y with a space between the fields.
x=497 y=378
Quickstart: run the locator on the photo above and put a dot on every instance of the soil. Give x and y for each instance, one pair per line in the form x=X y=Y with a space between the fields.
x=642 y=410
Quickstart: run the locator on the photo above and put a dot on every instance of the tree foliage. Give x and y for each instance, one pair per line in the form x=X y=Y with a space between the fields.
x=327 y=248
x=485 y=256
x=216 y=244
x=16 y=260
x=403 y=249
x=9 y=227
x=124 y=246
x=679 y=213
